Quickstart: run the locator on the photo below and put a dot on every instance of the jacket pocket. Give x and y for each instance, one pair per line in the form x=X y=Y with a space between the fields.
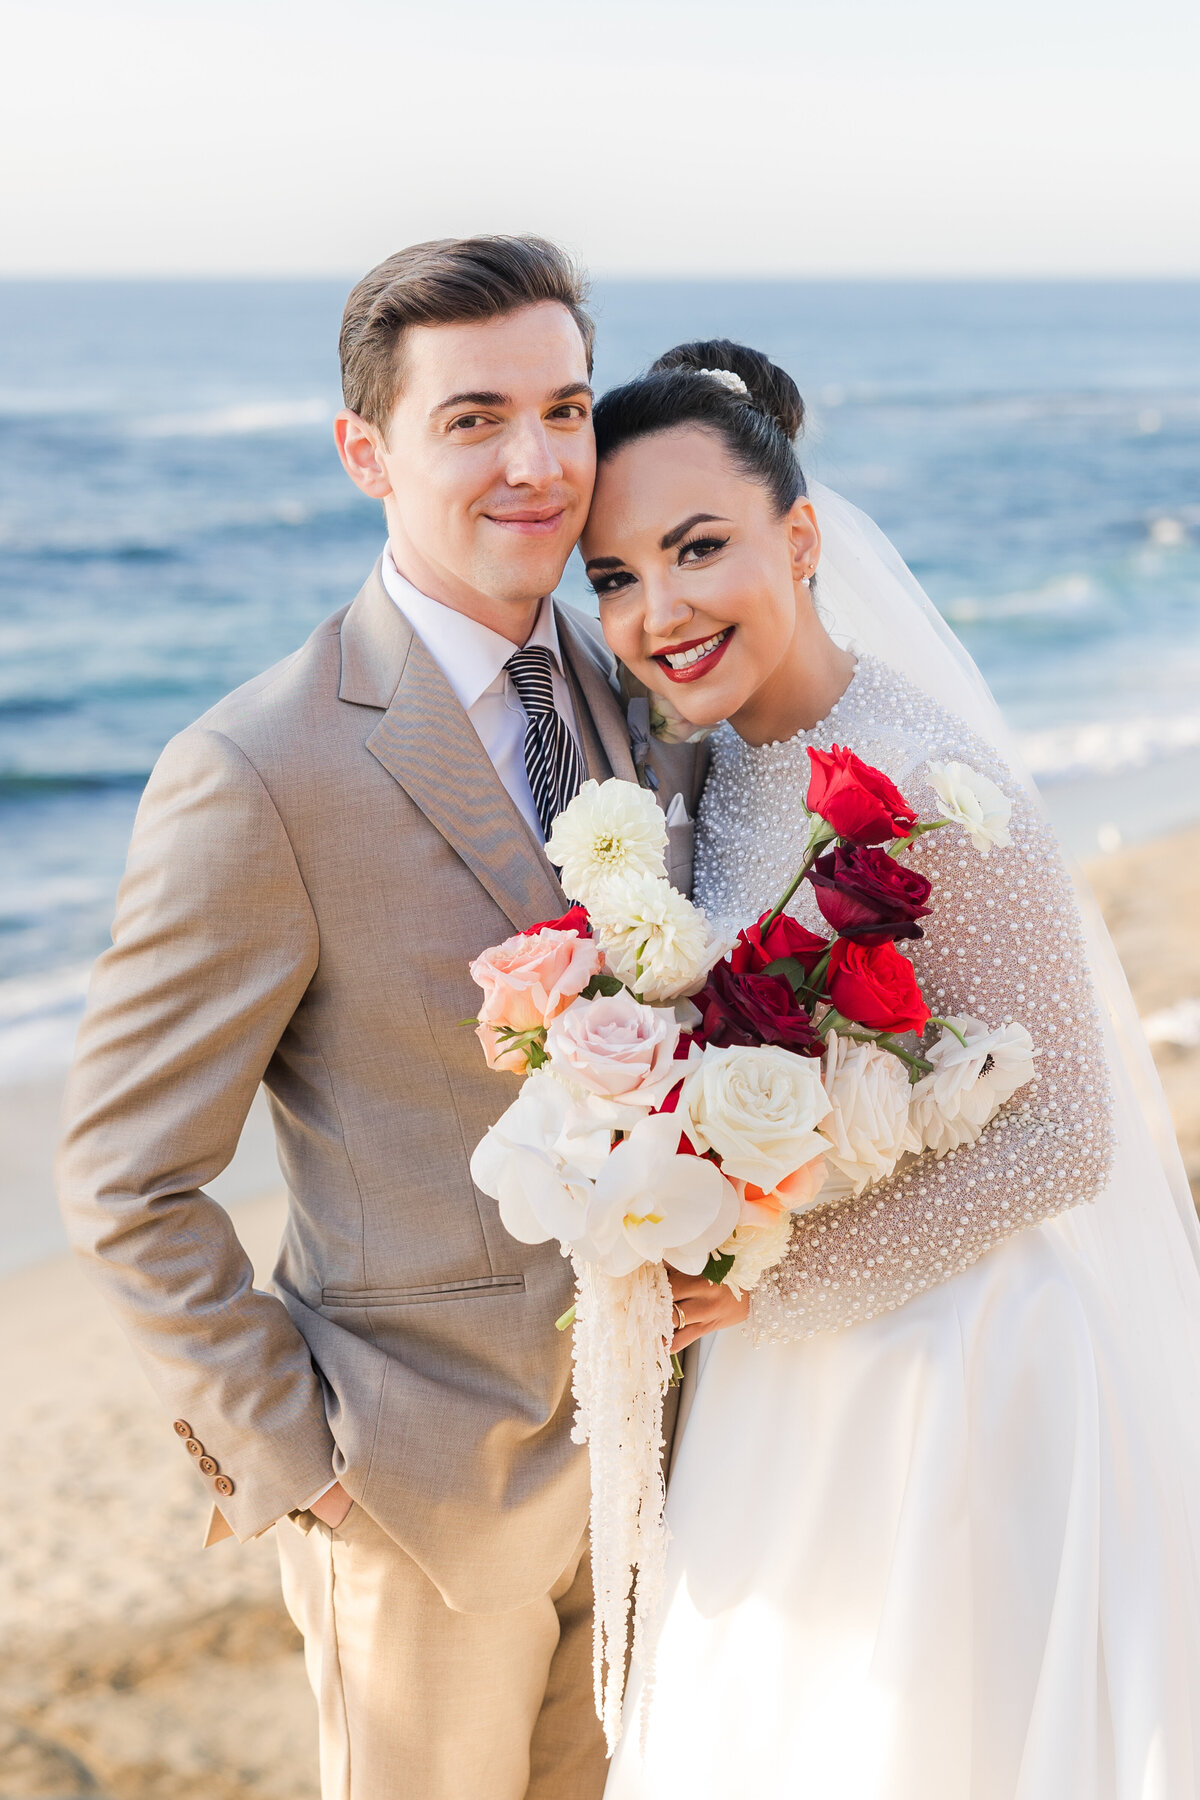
x=479 y=1288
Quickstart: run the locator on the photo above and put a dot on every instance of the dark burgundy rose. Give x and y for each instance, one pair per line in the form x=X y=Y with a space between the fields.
x=868 y=896
x=575 y=919
x=859 y=802
x=753 y=1009
x=755 y=948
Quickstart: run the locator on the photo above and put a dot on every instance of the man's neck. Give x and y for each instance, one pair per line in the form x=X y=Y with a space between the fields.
x=511 y=619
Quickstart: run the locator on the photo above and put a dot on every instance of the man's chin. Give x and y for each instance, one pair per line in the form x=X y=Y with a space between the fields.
x=524 y=577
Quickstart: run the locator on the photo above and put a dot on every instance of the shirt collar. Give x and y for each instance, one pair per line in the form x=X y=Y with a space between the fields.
x=471 y=656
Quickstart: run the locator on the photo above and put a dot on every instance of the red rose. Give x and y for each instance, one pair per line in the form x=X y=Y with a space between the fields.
x=859 y=802
x=575 y=919
x=874 y=985
x=753 y=1009
x=754 y=949
x=867 y=895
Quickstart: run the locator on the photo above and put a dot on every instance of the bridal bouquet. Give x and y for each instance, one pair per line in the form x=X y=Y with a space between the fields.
x=686 y=1096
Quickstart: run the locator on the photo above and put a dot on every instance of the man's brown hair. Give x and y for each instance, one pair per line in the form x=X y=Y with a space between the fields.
x=447 y=282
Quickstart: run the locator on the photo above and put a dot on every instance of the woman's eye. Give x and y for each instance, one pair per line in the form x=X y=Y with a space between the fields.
x=607 y=585
x=698 y=548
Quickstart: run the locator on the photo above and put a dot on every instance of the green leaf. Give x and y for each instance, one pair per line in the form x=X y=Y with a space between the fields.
x=792 y=970
x=535 y=1054
x=602 y=985
x=717 y=1267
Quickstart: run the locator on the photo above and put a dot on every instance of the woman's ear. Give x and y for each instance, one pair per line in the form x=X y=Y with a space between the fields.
x=804 y=541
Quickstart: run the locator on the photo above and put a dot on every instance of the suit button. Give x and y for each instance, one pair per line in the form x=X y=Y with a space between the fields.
x=194 y=1447
x=181 y=1428
x=207 y=1466
x=223 y=1485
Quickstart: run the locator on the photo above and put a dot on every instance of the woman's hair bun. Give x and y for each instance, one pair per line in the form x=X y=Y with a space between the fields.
x=771 y=389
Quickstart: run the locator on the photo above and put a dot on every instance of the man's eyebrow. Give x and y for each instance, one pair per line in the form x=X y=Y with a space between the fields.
x=680 y=532
x=488 y=398
x=604 y=562
x=480 y=399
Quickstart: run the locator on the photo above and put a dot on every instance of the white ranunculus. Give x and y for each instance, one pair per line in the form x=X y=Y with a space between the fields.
x=968 y=1085
x=758 y=1108
x=611 y=829
x=656 y=942
x=650 y=1204
x=868 y=1124
x=538 y=1162
x=973 y=801
x=755 y=1248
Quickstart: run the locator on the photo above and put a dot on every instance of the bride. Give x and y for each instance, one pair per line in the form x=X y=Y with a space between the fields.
x=935 y=1509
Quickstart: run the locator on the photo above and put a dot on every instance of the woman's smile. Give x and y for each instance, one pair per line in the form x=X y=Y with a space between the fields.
x=690 y=661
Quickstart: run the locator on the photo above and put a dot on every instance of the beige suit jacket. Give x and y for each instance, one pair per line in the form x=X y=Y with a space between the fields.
x=314 y=864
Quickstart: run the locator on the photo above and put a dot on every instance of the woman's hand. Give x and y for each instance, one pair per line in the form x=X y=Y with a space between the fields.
x=704 y=1306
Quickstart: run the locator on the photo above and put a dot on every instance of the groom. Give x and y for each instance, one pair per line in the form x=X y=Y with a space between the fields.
x=314 y=865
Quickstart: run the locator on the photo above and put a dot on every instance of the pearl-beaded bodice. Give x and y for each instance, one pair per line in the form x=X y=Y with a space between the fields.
x=1003 y=943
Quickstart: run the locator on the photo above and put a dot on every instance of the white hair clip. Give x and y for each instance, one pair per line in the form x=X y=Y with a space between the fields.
x=727 y=379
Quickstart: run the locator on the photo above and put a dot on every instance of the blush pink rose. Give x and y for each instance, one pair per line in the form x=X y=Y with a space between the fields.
x=526 y=982
x=618 y=1048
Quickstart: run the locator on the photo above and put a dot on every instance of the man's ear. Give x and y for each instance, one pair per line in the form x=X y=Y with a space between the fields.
x=804 y=539
x=360 y=448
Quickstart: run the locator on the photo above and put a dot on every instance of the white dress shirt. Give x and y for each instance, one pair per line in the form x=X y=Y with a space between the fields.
x=472 y=658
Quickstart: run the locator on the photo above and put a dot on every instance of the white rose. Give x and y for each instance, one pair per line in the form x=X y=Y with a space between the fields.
x=974 y=802
x=617 y=1049
x=969 y=1084
x=868 y=1125
x=610 y=829
x=758 y=1108
x=650 y=1204
x=656 y=942
x=538 y=1160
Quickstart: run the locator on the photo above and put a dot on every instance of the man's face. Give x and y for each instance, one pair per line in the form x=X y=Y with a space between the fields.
x=487 y=465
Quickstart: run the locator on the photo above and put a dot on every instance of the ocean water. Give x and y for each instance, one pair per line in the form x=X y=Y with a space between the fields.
x=173 y=519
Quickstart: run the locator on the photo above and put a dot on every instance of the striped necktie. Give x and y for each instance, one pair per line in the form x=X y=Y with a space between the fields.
x=551 y=755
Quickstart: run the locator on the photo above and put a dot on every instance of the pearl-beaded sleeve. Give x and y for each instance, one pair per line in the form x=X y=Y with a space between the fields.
x=1003 y=943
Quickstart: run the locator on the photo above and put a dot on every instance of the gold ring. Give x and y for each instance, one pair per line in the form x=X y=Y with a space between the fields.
x=681 y=1316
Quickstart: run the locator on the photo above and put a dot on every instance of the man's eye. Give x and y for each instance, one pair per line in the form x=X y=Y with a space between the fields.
x=572 y=409
x=606 y=585
x=468 y=422
x=696 y=549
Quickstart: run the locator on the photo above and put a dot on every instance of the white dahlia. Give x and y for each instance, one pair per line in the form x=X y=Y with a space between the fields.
x=656 y=942
x=610 y=830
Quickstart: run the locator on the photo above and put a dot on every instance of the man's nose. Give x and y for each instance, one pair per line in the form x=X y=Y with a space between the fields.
x=531 y=459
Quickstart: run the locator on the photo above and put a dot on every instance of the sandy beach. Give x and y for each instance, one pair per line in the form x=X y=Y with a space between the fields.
x=136 y=1666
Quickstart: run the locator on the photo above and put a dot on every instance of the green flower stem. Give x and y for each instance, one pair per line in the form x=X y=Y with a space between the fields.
x=947 y=1026
x=820 y=835
x=567 y=1320
x=919 y=830
x=676 y=1370
x=836 y=1021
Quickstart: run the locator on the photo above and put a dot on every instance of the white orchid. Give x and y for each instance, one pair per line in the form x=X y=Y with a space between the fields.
x=973 y=801
x=538 y=1162
x=611 y=829
x=759 y=1108
x=969 y=1083
x=868 y=1125
x=656 y=941
x=650 y=1204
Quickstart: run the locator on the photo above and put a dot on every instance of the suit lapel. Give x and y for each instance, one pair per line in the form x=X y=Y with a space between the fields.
x=426 y=742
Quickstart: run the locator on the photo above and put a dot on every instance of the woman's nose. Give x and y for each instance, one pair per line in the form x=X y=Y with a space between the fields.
x=665 y=608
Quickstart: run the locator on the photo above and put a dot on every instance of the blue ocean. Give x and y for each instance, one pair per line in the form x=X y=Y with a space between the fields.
x=173 y=518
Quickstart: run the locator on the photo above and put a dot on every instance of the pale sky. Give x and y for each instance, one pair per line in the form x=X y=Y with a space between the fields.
x=657 y=137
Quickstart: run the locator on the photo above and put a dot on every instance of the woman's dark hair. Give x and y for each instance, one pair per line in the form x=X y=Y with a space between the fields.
x=759 y=428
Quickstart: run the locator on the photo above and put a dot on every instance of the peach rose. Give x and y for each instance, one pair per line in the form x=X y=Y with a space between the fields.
x=794 y=1194
x=526 y=982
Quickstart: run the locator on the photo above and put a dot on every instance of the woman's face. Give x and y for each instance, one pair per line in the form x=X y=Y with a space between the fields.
x=696 y=574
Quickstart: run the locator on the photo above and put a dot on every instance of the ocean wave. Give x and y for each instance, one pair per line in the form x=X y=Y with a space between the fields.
x=1066 y=596
x=39 y=1017
x=1107 y=746
x=37 y=785
x=249 y=419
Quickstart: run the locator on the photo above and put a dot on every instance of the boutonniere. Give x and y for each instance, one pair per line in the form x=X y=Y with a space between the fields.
x=650 y=717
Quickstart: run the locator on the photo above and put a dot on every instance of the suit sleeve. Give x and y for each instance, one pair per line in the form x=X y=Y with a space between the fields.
x=214 y=944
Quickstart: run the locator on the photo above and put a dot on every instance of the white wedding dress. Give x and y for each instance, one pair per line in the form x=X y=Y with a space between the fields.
x=934 y=1515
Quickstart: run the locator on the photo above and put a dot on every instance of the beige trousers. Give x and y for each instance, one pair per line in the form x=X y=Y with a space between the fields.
x=420 y=1703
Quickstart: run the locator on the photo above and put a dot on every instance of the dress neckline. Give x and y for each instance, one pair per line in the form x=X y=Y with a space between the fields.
x=807 y=733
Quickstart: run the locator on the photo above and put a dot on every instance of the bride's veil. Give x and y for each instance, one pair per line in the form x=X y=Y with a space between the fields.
x=1139 y=1244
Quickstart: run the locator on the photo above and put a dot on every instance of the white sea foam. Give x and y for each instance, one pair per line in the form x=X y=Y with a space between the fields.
x=250 y=419
x=1106 y=746
x=1064 y=596
x=39 y=1016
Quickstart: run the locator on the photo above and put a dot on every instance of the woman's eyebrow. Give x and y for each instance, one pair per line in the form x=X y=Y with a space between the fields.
x=604 y=562
x=673 y=537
